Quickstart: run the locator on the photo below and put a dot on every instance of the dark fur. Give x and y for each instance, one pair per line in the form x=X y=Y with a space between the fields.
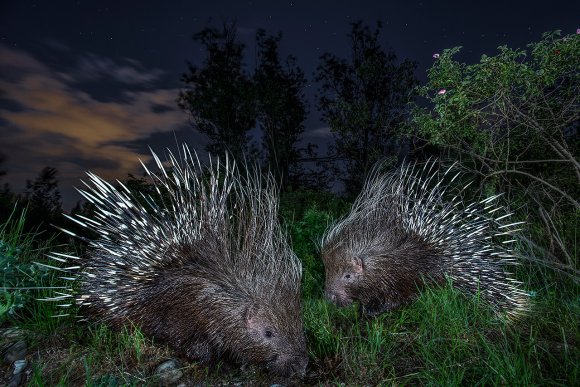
x=392 y=273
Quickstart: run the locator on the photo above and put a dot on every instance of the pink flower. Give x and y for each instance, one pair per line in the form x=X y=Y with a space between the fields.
x=436 y=55
x=442 y=91
x=577 y=31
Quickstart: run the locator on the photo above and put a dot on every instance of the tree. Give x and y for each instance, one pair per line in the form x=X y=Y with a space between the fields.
x=281 y=108
x=44 y=201
x=364 y=100
x=512 y=120
x=2 y=161
x=7 y=197
x=219 y=97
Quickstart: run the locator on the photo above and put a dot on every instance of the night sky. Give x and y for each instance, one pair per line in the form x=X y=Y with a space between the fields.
x=89 y=85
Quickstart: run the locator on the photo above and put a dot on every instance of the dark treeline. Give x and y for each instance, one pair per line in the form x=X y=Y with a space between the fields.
x=364 y=99
x=41 y=202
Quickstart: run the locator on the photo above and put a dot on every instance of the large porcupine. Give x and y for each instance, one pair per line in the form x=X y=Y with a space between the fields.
x=208 y=271
x=406 y=229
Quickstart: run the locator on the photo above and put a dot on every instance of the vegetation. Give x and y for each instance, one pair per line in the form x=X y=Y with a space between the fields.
x=22 y=279
x=364 y=100
x=511 y=121
x=225 y=103
x=281 y=108
x=219 y=98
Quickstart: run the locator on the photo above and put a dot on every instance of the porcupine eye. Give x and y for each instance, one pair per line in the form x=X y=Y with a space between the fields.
x=268 y=333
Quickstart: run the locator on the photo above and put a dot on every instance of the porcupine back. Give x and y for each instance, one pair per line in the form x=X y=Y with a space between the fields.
x=202 y=271
x=412 y=224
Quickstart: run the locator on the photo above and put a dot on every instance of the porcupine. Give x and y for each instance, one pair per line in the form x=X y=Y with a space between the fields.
x=405 y=230
x=208 y=271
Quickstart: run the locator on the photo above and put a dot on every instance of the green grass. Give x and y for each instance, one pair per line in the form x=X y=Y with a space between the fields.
x=23 y=281
x=444 y=338
x=95 y=356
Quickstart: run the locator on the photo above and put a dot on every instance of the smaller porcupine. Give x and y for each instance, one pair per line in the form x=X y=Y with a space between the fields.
x=404 y=230
x=209 y=271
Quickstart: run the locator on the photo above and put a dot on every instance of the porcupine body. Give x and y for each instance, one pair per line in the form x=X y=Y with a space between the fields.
x=208 y=272
x=409 y=228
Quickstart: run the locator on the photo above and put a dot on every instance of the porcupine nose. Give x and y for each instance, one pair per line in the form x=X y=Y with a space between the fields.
x=330 y=296
x=337 y=297
x=299 y=368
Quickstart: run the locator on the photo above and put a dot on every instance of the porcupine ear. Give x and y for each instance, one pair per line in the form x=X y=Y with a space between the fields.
x=357 y=263
x=252 y=318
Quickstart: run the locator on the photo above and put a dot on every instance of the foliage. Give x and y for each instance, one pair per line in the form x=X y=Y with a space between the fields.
x=43 y=203
x=43 y=194
x=21 y=276
x=219 y=97
x=444 y=338
x=225 y=103
x=8 y=200
x=7 y=197
x=305 y=235
x=281 y=108
x=294 y=204
x=364 y=100
x=2 y=160
x=512 y=120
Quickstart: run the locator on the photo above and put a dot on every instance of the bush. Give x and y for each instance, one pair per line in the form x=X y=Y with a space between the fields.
x=512 y=121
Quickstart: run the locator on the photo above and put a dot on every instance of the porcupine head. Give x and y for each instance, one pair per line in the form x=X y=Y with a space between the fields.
x=382 y=273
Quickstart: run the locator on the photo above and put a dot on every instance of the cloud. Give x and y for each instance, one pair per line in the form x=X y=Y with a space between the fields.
x=13 y=60
x=127 y=70
x=46 y=120
x=55 y=44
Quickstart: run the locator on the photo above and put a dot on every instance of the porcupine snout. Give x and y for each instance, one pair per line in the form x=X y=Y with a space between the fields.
x=299 y=366
x=295 y=365
x=337 y=295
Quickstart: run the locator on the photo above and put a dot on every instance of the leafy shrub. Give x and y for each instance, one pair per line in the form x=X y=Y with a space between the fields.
x=512 y=121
